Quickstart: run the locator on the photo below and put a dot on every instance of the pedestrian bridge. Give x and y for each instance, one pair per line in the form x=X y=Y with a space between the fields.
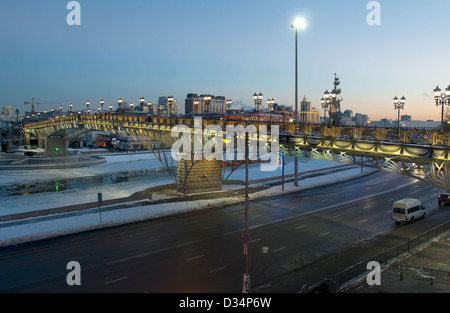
x=419 y=153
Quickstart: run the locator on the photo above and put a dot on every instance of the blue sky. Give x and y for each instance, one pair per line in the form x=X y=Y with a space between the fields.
x=151 y=48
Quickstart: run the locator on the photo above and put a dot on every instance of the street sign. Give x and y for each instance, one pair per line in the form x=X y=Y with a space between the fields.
x=245 y=238
x=245 y=249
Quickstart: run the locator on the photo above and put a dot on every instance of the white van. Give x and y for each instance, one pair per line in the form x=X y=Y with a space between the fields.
x=407 y=210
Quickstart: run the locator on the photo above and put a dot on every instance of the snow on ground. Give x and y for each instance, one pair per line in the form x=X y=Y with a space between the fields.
x=39 y=228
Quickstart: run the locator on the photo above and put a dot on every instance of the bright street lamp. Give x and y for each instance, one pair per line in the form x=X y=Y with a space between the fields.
x=442 y=99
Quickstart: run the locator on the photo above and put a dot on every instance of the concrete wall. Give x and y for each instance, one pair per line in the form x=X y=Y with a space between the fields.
x=205 y=176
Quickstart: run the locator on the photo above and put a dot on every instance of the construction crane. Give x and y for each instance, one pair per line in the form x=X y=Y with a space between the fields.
x=33 y=103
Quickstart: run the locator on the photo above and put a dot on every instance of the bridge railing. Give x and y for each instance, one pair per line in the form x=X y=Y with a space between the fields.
x=422 y=136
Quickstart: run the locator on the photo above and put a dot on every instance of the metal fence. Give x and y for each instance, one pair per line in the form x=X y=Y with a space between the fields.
x=418 y=273
x=390 y=255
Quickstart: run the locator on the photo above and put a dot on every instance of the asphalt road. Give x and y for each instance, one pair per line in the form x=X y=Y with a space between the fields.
x=203 y=252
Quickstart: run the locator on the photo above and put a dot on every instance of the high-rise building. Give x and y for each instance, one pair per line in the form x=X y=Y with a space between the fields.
x=308 y=114
x=406 y=118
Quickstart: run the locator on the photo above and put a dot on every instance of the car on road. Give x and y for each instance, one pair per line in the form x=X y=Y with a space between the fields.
x=407 y=210
x=444 y=198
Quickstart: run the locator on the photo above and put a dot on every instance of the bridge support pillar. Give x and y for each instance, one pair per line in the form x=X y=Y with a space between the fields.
x=203 y=176
x=26 y=138
x=55 y=146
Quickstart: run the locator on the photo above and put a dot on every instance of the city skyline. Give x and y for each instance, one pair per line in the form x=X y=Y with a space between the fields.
x=150 y=49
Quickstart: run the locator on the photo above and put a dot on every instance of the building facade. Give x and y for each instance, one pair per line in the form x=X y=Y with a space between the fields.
x=198 y=104
x=308 y=114
x=166 y=107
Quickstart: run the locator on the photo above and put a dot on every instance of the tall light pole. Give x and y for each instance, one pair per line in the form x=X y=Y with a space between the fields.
x=102 y=103
x=299 y=23
x=246 y=281
x=442 y=99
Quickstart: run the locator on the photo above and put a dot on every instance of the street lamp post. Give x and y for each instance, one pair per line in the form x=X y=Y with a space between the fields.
x=399 y=105
x=170 y=104
x=196 y=103
x=102 y=103
x=150 y=108
x=119 y=103
x=324 y=103
x=228 y=102
x=299 y=23
x=258 y=101
x=246 y=281
x=87 y=106
x=207 y=104
x=270 y=104
x=442 y=99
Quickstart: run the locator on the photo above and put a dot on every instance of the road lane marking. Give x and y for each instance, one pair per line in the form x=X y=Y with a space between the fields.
x=81 y=257
x=255 y=240
x=115 y=280
x=209 y=227
x=134 y=235
x=415 y=191
x=240 y=230
x=324 y=234
x=336 y=216
x=195 y=257
x=279 y=249
x=153 y=240
x=218 y=269
x=300 y=227
x=367 y=207
x=150 y=253
x=256 y=216
x=362 y=221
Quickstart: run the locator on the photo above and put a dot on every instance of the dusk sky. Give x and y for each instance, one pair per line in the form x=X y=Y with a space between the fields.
x=233 y=48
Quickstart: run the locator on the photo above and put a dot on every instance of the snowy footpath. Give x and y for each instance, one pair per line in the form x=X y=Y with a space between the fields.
x=16 y=232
